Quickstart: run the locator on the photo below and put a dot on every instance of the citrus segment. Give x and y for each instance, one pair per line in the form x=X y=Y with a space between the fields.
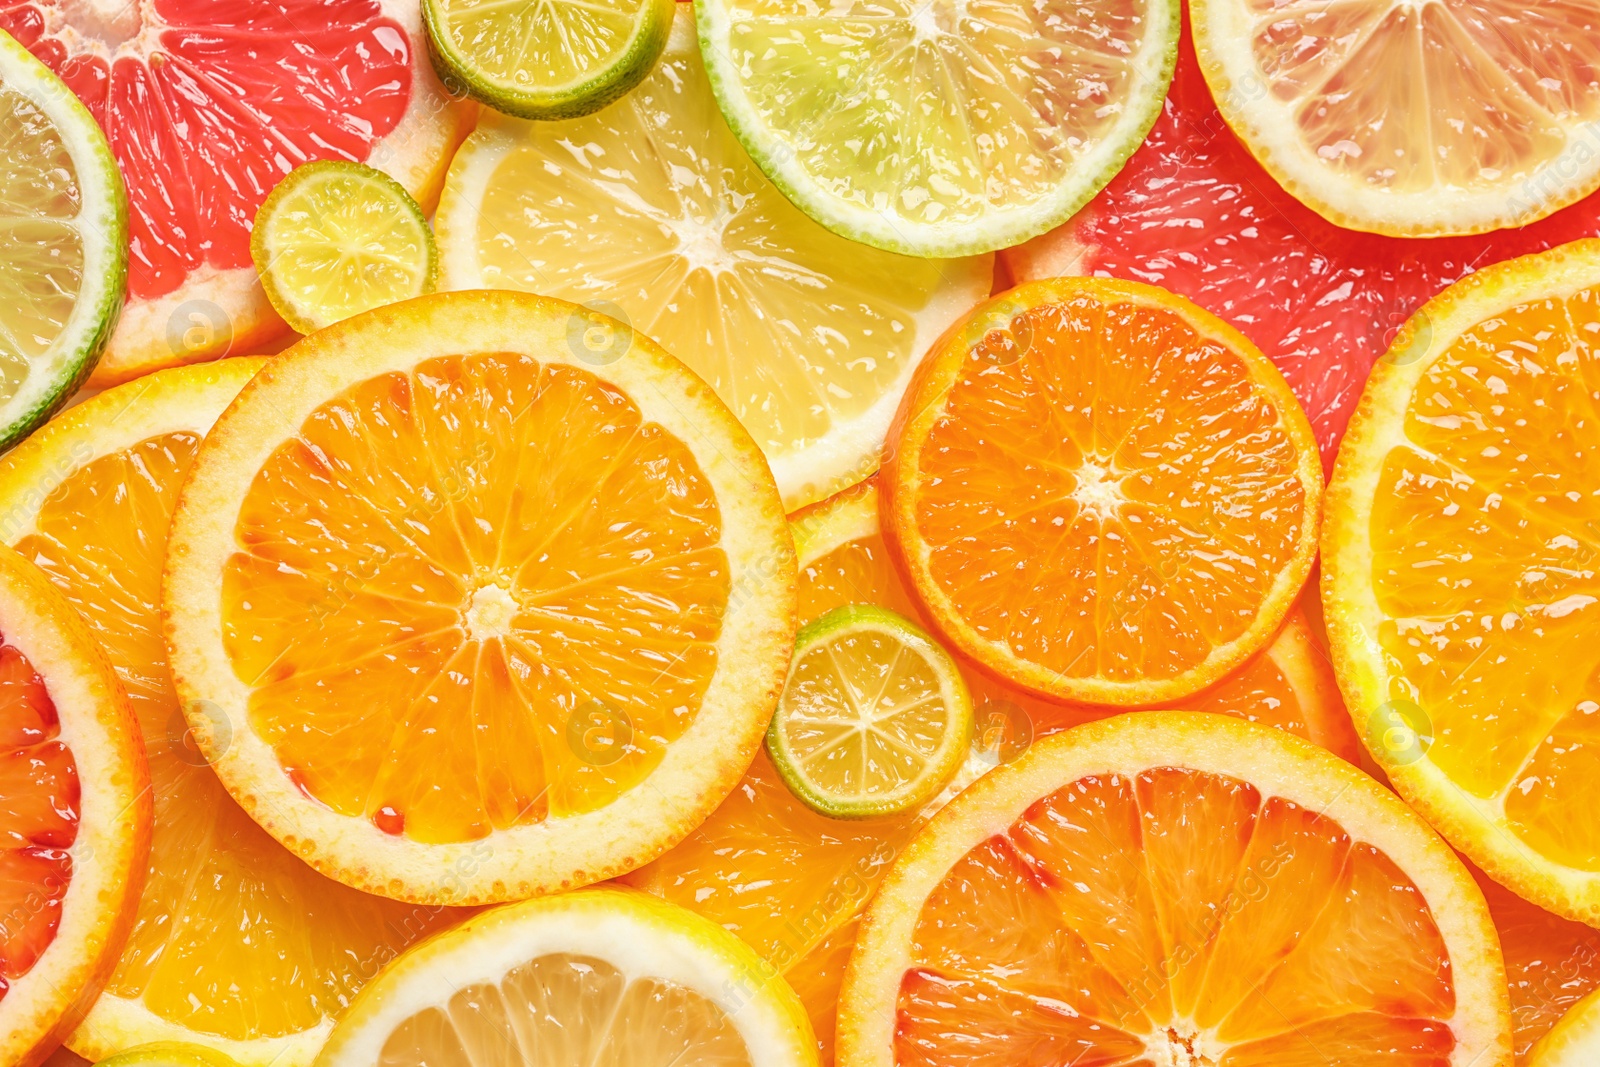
x=546 y=61
x=1411 y=119
x=810 y=339
x=604 y=976
x=1100 y=492
x=1574 y=1041
x=236 y=944
x=1134 y=891
x=520 y=592
x=206 y=106
x=337 y=238
x=1458 y=576
x=169 y=1054
x=943 y=128
x=74 y=815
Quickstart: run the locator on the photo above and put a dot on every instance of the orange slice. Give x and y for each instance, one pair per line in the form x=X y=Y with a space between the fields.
x=1176 y=889
x=74 y=815
x=1459 y=571
x=1102 y=493
x=236 y=945
x=478 y=616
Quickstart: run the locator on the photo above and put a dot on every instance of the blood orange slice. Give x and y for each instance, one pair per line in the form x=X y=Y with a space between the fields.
x=1162 y=888
x=207 y=104
x=1193 y=211
x=74 y=815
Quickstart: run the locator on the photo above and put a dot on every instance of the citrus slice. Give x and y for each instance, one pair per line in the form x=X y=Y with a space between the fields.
x=1411 y=119
x=1575 y=1040
x=206 y=106
x=74 y=815
x=236 y=944
x=337 y=238
x=1458 y=570
x=546 y=61
x=874 y=718
x=1102 y=493
x=605 y=976
x=940 y=128
x=1139 y=890
x=63 y=250
x=810 y=339
x=544 y=607
x=168 y=1054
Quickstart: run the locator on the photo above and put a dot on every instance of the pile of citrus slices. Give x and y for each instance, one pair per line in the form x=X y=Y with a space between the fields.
x=748 y=533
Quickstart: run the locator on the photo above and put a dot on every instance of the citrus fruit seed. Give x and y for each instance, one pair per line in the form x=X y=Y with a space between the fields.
x=1136 y=891
x=545 y=606
x=1459 y=556
x=809 y=338
x=607 y=976
x=874 y=718
x=940 y=128
x=1102 y=493
x=336 y=238
x=546 y=61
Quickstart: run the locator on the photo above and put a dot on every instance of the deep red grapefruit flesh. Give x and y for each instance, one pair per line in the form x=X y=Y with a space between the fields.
x=209 y=102
x=1195 y=213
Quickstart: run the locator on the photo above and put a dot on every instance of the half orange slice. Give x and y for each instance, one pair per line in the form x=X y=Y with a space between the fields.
x=1102 y=493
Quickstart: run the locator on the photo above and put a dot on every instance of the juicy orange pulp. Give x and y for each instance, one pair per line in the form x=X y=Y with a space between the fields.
x=234 y=936
x=1551 y=962
x=1485 y=528
x=483 y=636
x=1180 y=917
x=38 y=817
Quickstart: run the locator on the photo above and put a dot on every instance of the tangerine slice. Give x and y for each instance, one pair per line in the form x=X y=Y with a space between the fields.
x=479 y=618
x=1136 y=891
x=1102 y=493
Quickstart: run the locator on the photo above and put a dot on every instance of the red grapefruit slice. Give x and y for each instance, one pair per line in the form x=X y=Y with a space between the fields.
x=1193 y=212
x=207 y=103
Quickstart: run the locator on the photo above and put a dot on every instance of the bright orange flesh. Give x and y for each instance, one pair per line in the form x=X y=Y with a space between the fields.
x=1147 y=920
x=234 y=936
x=38 y=817
x=1107 y=496
x=500 y=559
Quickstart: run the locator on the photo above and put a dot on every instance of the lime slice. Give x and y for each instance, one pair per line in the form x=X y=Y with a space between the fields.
x=169 y=1054
x=874 y=718
x=63 y=242
x=940 y=127
x=337 y=238
x=545 y=60
x=661 y=222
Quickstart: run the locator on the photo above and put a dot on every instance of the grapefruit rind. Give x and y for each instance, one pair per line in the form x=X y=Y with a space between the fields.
x=924 y=404
x=627 y=67
x=896 y=232
x=1574 y=1041
x=102 y=224
x=698 y=769
x=111 y=848
x=1276 y=763
x=641 y=935
x=1474 y=825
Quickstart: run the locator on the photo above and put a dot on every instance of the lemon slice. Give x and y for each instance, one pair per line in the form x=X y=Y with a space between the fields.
x=1575 y=1039
x=940 y=127
x=63 y=242
x=874 y=718
x=660 y=221
x=337 y=238
x=545 y=60
x=608 y=977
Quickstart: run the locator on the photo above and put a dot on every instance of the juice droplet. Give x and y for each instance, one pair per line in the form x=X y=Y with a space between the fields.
x=389 y=820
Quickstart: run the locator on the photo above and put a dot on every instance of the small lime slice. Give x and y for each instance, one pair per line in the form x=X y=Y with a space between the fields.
x=63 y=242
x=874 y=719
x=545 y=60
x=337 y=238
x=168 y=1054
x=940 y=127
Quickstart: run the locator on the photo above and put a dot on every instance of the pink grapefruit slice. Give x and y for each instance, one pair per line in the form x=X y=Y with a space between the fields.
x=207 y=104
